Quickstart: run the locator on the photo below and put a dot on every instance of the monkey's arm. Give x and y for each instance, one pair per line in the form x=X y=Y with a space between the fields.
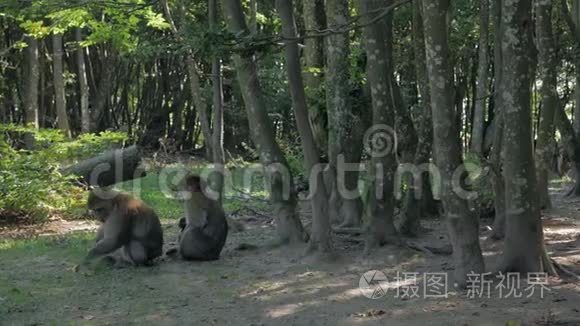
x=112 y=233
x=100 y=233
x=182 y=223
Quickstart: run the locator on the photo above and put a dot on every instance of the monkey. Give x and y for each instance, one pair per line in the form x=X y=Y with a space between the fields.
x=204 y=228
x=128 y=223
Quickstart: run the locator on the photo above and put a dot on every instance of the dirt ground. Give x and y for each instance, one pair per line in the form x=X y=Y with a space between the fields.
x=280 y=287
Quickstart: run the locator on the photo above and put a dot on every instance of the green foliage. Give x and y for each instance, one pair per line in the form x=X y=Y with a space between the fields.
x=31 y=182
x=294 y=156
x=88 y=145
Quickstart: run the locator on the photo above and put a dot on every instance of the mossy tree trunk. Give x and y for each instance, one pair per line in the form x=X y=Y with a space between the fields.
x=463 y=225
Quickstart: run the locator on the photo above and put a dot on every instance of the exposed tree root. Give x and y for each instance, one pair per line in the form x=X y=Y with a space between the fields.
x=431 y=251
x=564 y=270
x=348 y=230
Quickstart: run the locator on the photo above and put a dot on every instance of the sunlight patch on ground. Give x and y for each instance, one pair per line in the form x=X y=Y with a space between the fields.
x=570 y=230
x=283 y=310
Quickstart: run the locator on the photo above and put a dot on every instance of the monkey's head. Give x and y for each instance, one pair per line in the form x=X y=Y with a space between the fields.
x=101 y=203
x=193 y=183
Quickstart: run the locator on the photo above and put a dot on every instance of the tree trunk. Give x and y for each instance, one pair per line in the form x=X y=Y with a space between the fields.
x=481 y=92
x=218 y=110
x=570 y=137
x=31 y=96
x=103 y=92
x=406 y=133
x=462 y=223
x=199 y=101
x=320 y=239
x=573 y=21
x=254 y=17
x=83 y=84
x=58 y=78
x=109 y=168
x=497 y=153
x=380 y=199
x=194 y=85
x=342 y=120
x=418 y=199
x=571 y=144
x=314 y=19
x=548 y=64
x=524 y=251
x=281 y=186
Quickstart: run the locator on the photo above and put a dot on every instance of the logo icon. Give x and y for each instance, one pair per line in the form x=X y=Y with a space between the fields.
x=372 y=284
x=380 y=140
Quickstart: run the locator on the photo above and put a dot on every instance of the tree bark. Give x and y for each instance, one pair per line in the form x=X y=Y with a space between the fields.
x=571 y=144
x=320 y=239
x=218 y=109
x=281 y=186
x=58 y=78
x=406 y=132
x=497 y=153
x=418 y=199
x=314 y=19
x=481 y=93
x=83 y=84
x=31 y=89
x=103 y=92
x=463 y=225
x=572 y=19
x=524 y=250
x=254 y=17
x=342 y=120
x=548 y=64
x=380 y=199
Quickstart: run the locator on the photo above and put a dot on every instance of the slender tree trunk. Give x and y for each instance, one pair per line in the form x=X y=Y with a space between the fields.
x=31 y=88
x=194 y=84
x=253 y=17
x=281 y=187
x=573 y=21
x=342 y=120
x=571 y=144
x=42 y=106
x=497 y=154
x=481 y=92
x=548 y=64
x=218 y=109
x=524 y=249
x=462 y=223
x=83 y=84
x=314 y=19
x=58 y=78
x=103 y=92
x=320 y=239
x=418 y=199
x=380 y=200
x=406 y=132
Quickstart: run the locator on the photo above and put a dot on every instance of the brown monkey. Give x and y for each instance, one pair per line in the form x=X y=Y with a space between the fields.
x=204 y=229
x=128 y=223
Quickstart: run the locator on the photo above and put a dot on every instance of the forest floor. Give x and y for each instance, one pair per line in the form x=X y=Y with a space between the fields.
x=40 y=285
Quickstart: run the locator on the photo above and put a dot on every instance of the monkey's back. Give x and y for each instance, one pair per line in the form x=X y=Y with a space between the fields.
x=146 y=226
x=205 y=242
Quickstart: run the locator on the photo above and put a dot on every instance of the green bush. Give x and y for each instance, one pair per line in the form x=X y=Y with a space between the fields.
x=30 y=180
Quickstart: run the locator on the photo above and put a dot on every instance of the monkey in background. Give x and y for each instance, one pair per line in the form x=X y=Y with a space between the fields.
x=204 y=228
x=128 y=223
